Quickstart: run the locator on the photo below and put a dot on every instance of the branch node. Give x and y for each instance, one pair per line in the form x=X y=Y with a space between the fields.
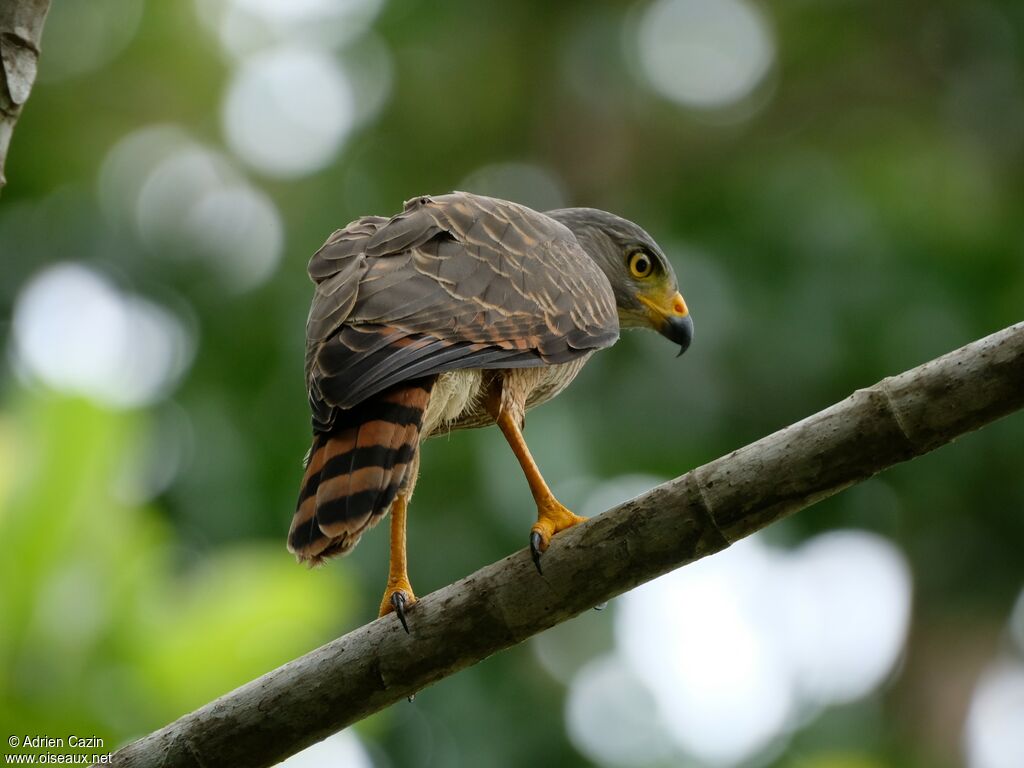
x=706 y=509
x=896 y=412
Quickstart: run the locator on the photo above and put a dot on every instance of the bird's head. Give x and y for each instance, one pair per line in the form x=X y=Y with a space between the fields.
x=646 y=291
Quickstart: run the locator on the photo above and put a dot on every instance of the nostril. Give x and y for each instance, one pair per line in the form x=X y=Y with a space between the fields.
x=679 y=306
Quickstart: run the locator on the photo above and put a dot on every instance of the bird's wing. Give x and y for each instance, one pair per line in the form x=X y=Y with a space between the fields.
x=457 y=281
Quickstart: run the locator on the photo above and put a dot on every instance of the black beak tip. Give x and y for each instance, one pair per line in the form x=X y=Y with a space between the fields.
x=680 y=331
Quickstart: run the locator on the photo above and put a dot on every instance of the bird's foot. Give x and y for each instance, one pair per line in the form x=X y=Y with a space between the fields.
x=552 y=517
x=397 y=598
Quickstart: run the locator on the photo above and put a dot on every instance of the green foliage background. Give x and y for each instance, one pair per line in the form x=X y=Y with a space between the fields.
x=866 y=219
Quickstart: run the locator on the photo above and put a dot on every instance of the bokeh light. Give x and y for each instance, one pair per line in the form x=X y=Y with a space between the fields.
x=186 y=201
x=245 y=26
x=342 y=749
x=368 y=66
x=239 y=230
x=994 y=736
x=288 y=110
x=705 y=54
x=846 y=614
x=84 y=37
x=612 y=716
x=126 y=166
x=738 y=650
x=696 y=639
x=76 y=332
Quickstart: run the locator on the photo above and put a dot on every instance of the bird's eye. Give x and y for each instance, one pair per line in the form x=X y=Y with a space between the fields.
x=640 y=264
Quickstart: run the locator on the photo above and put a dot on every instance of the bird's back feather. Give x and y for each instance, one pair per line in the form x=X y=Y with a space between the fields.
x=456 y=281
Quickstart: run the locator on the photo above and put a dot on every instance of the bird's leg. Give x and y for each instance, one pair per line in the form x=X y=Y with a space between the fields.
x=399 y=594
x=552 y=517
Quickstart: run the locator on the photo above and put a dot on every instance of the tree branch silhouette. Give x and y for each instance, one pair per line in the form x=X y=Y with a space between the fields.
x=678 y=522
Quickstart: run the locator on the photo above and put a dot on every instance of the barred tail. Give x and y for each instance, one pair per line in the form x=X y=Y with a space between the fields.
x=356 y=469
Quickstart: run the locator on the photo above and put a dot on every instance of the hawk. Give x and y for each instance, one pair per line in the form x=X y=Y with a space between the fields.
x=461 y=311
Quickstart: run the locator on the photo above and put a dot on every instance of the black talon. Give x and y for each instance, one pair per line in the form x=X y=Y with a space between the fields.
x=535 y=551
x=398 y=603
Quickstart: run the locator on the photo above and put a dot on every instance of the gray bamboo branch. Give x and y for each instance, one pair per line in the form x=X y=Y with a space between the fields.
x=676 y=523
x=21 y=28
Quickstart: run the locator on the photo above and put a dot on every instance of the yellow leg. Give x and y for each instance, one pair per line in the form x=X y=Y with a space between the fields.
x=552 y=517
x=399 y=595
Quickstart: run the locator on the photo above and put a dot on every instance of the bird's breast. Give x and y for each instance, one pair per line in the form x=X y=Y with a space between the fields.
x=549 y=380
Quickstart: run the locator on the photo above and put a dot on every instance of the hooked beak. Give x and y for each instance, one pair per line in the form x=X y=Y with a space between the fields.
x=679 y=330
x=672 y=321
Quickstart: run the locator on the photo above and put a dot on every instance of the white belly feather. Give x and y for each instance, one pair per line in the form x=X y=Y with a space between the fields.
x=457 y=399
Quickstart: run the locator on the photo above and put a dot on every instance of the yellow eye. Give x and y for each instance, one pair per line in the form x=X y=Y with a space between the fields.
x=640 y=264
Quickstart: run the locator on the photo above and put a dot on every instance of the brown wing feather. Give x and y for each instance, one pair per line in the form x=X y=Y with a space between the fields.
x=457 y=281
